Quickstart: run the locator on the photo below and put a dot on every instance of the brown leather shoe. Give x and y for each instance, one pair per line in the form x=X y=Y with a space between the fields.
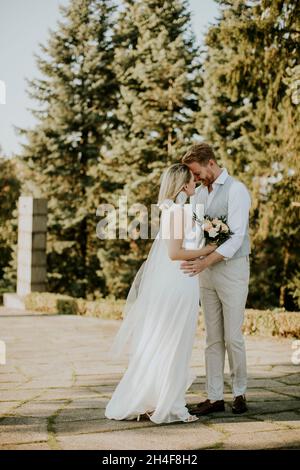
x=207 y=407
x=239 y=405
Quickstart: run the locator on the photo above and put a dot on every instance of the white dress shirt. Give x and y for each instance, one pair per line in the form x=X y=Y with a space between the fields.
x=239 y=204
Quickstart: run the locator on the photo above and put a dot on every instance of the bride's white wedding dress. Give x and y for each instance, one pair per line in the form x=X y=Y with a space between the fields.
x=160 y=324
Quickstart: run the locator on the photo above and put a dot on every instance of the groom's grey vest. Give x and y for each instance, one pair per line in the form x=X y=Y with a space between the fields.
x=219 y=207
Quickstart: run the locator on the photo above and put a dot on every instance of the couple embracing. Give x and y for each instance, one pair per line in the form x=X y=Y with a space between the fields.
x=162 y=307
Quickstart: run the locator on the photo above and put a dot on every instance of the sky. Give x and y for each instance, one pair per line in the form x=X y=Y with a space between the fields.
x=24 y=24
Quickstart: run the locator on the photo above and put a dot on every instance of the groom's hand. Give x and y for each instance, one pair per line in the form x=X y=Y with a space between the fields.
x=193 y=267
x=198 y=265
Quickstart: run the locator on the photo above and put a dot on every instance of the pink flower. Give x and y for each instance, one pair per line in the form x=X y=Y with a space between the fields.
x=207 y=226
x=224 y=228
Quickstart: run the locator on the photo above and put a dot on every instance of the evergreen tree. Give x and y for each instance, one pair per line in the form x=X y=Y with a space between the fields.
x=249 y=112
x=10 y=188
x=156 y=65
x=77 y=98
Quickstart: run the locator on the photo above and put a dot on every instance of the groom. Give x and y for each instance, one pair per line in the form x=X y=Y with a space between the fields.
x=223 y=277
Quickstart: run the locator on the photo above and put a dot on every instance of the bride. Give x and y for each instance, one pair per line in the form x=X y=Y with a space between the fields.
x=161 y=316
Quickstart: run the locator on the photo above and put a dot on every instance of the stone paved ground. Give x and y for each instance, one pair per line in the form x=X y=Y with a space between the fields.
x=58 y=379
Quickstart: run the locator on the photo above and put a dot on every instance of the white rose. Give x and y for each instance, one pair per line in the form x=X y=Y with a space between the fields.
x=213 y=233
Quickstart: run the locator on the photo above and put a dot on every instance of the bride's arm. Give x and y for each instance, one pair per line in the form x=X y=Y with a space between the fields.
x=176 y=252
x=175 y=249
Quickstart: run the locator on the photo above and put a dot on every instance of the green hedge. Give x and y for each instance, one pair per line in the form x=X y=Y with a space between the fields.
x=257 y=322
x=62 y=304
x=269 y=323
x=272 y=323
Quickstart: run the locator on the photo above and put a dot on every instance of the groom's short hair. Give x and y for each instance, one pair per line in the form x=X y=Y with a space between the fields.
x=200 y=153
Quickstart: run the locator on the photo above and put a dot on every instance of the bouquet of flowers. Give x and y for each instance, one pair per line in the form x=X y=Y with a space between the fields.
x=215 y=230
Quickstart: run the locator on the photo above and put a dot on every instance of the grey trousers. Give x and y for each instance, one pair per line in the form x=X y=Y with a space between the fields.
x=223 y=294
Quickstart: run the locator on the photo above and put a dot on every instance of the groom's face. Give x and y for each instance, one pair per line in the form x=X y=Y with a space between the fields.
x=202 y=173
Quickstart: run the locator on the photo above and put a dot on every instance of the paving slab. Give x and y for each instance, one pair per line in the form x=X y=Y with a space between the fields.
x=59 y=377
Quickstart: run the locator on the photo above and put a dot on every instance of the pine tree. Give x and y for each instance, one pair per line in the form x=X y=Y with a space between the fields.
x=77 y=99
x=10 y=188
x=249 y=112
x=156 y=65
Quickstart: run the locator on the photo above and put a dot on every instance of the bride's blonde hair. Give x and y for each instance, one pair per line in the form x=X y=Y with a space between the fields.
x=173 y=180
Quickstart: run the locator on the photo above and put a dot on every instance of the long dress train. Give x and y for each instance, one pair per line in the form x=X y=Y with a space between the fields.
x=160 y=324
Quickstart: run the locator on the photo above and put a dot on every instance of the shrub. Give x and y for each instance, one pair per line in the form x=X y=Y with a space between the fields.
x=48 y=303
x=257 y=322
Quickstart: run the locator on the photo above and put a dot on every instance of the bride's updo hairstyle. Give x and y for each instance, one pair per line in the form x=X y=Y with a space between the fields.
x=173 y=181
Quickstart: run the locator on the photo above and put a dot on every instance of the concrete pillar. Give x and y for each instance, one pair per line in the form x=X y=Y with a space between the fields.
x=31 y=259
x=32 y=231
